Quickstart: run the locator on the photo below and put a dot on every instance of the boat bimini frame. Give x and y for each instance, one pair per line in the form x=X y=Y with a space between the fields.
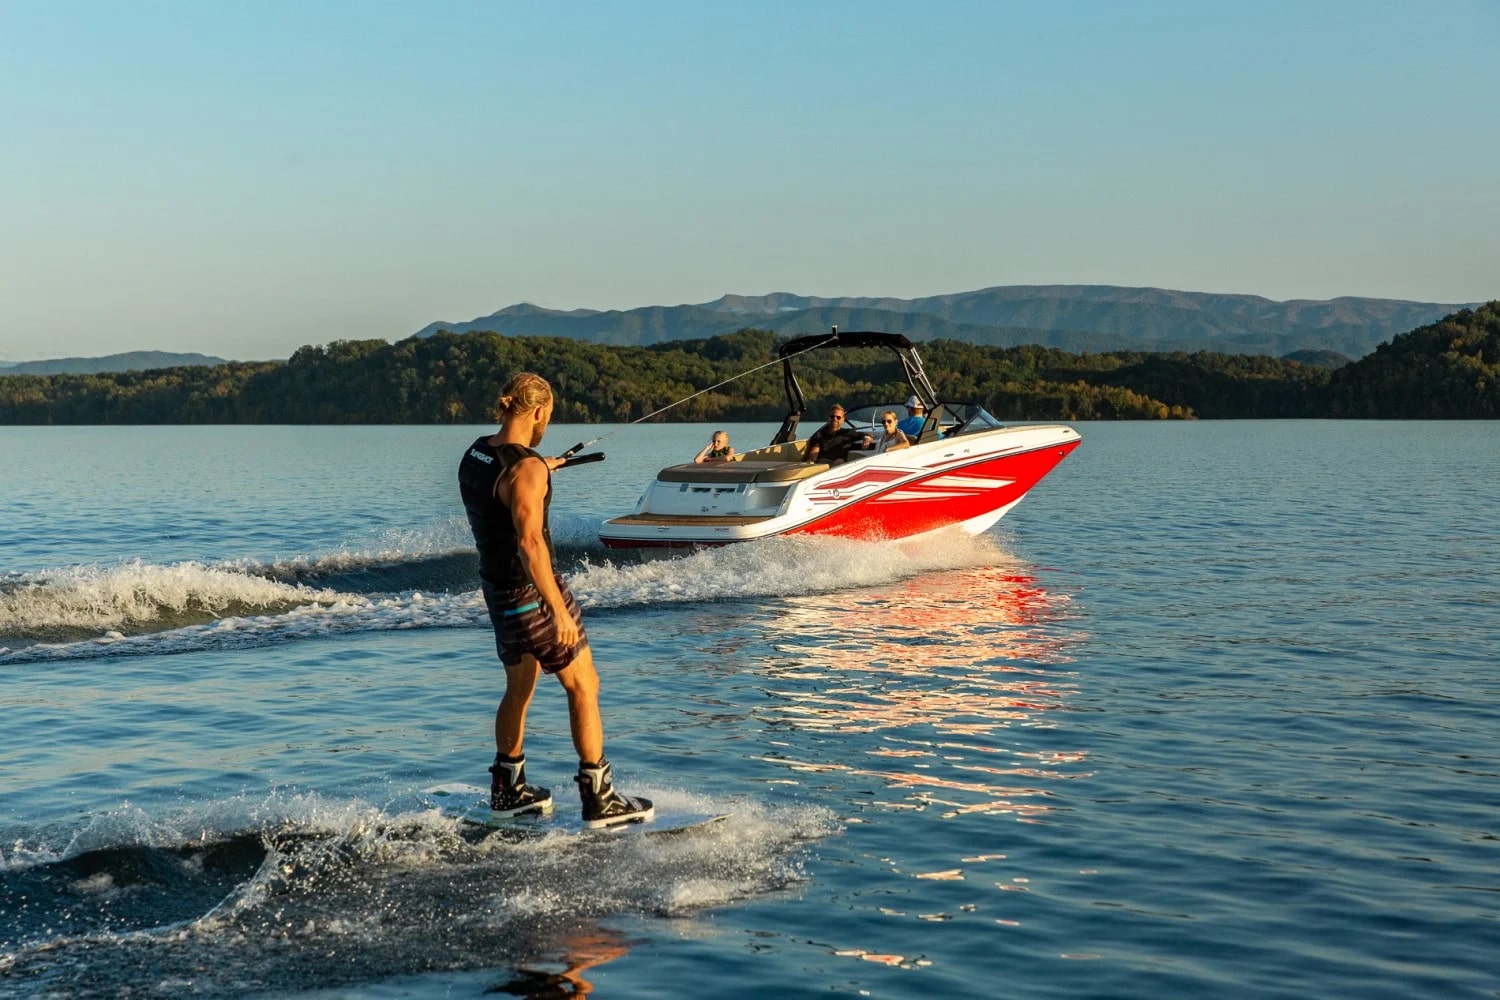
x=904 y=349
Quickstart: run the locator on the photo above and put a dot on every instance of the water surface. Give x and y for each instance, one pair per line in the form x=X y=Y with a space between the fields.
x=1213 y=711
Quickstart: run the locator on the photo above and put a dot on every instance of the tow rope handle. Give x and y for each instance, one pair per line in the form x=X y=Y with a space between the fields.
x=569 y=459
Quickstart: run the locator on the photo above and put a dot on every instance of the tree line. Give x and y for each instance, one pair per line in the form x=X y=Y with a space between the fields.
x=1448 y=369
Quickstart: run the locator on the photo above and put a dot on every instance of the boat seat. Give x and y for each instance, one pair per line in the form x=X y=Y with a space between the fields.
x=791 y=451
x=740 y=472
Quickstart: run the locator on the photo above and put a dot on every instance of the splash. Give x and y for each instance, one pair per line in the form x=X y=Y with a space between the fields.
x=320 y=892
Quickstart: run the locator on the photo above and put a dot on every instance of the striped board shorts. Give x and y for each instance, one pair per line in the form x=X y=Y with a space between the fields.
x=523 y=624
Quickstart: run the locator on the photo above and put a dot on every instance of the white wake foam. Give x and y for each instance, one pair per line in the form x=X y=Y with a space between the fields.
x=780 y=567
x=99 y=598
x=368 y=884
x=341 y=614
x=128 y=825
x=574 y=531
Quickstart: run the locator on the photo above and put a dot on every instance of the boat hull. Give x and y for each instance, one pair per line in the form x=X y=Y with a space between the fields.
x=968 y=481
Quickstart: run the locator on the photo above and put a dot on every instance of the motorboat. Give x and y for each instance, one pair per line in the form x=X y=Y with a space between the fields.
x=964 y=468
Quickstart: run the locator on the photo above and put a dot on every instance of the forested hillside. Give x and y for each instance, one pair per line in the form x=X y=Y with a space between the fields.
x=454 y=378
x=1448 y=369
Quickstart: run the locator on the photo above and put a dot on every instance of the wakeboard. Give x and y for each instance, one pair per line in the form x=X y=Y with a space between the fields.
x=470 y=804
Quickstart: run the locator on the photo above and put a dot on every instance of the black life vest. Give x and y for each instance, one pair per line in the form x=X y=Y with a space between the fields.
x=491 y=520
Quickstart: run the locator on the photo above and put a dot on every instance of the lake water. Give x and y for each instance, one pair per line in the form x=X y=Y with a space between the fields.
x=1214 y=712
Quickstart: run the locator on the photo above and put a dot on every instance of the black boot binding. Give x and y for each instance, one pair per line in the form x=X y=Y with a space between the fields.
x=602 y=805
x=510 y=795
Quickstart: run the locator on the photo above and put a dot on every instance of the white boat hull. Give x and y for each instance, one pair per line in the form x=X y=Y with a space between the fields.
x=969 y=481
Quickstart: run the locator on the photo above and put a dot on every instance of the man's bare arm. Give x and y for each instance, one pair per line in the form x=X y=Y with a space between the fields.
x=528 y=500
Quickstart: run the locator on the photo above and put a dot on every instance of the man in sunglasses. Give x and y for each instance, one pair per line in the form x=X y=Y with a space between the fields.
x=831 y=442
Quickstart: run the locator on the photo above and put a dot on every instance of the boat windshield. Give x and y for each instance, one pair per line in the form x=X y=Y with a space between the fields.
x=953 y=418
x=967 y=418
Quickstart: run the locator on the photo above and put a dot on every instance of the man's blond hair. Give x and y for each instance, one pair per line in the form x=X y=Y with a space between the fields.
x=524 y=392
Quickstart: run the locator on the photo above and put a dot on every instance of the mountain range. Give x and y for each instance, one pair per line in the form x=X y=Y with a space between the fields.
x=130 y=361
x=1067 y=317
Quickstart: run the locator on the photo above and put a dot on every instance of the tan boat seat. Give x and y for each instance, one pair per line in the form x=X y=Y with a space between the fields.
x=740 y=472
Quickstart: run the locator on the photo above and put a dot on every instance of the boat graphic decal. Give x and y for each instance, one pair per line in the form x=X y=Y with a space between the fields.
x=944 y=487
x=969 y=459
x=967 y=482
x=877 y=477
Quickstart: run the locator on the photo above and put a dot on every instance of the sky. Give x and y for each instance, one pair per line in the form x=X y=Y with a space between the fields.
x=243 y=179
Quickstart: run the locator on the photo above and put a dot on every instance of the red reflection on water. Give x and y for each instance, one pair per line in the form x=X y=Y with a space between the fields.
x=938 y=667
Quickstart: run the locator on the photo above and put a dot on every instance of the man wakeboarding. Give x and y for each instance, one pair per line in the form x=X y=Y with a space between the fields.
x=507 y=488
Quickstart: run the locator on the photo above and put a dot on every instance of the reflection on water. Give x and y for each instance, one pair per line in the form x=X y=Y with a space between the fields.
x=939 y=669
x=938 y=700
x=588 y=946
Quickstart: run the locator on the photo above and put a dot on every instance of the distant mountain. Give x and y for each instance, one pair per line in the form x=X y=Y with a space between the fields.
x=634 y=327
x=1068 y=317
x=1319 y=359
x=131 y=361
x=658 y=324
x=923 y=326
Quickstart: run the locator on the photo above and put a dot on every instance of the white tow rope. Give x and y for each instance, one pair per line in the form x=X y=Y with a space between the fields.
x=581 y=459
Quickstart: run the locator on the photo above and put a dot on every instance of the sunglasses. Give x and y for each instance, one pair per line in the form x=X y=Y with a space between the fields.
x=888 y=423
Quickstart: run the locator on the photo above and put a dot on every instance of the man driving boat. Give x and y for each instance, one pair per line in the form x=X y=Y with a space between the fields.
x=831 y=442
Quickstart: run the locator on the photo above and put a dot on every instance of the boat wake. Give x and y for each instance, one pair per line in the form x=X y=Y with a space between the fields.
x=77 y=602
x=151 y=609
x=302 y=892
x=781 y=567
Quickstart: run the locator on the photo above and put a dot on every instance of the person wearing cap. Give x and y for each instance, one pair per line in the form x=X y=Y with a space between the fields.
x=831 y=442
x=916 y=416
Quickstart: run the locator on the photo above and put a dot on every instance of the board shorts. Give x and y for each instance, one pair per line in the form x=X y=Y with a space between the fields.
x=523 y=624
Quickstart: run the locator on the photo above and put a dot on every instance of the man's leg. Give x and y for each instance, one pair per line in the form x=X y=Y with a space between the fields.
x=581 y=683
x=510 y=793
x=510 y=717
x=602 y=805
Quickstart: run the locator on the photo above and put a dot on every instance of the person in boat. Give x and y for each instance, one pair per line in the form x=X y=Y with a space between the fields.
x=831 y=442
x=916 y=416
x=506 y=488
x=891 y=438
x=717 y=449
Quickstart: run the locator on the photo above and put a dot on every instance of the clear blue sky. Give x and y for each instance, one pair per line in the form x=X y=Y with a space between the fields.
x=244 y=178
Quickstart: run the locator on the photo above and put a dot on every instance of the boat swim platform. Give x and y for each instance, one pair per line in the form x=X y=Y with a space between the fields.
x=740 y=472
